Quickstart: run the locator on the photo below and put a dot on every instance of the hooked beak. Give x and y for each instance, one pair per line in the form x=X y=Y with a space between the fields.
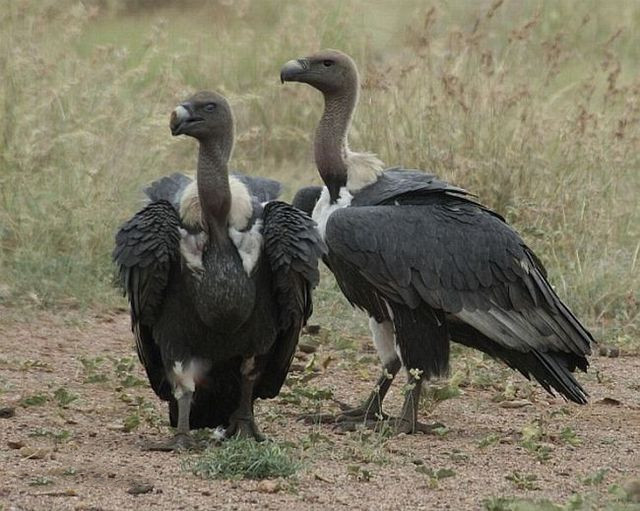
x=181 y=118
x=293 y=69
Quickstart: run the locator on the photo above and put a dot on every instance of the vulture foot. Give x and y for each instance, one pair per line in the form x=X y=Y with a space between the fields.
x=405 y=426
x=244 y=428
x=179 y=442
x=367 y=412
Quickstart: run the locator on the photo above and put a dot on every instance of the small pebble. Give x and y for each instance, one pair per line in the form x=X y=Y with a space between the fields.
x=516 y=403
x=609 y=351
x=34 y=453
x=7 y=412
x=15 y=444
x=268 y=486
x=609 y=401
x=140 y=488
x=308 y=347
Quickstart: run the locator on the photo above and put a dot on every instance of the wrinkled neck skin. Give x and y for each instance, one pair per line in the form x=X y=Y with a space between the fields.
x=330 y=145
x=225 y=294
x=213 y=187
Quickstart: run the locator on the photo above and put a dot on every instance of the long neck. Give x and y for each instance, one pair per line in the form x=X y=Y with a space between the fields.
x=330 y=145
x=213 y=187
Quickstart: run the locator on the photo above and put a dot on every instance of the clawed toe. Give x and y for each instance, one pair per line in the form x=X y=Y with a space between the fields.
x=347 y=416
x=355 y=419
x=405 y=426
x=179 y=442
x=244 y=428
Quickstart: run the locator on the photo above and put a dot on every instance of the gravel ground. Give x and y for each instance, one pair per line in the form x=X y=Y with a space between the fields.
x=58 y=452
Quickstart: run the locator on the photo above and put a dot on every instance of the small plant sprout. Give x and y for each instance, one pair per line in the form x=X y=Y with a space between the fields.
x=34 y=400
x=359 y=473
x=596 y=478
x=523 y=481
x=64 y=397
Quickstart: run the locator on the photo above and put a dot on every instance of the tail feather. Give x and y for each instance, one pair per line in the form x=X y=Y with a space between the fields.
x=551 y=369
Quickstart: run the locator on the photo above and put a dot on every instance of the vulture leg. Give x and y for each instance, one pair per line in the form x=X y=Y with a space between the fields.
x=369 y=412
x=182 y=440
x=408 y=421
x=385 y=342
x=242 y=423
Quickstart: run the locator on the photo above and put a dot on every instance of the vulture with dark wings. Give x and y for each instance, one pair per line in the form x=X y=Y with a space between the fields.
x=428 y=263
x=219 y=281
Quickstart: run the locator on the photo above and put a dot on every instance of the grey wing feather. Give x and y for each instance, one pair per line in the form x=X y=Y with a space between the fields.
x=147 y=246
x=292 y=246
x=396 y=184
x=168 y=188
x=455 y=256
x=264 y=189
x=306 y=198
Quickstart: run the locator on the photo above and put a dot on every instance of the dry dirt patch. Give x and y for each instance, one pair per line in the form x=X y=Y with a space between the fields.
x=81 y=414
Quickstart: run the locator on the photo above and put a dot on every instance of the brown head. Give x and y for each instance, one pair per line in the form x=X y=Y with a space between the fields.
x=330 y=71
x=205 y=116
x=335 y=75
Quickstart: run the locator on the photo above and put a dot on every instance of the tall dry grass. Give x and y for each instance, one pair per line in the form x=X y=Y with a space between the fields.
x=534 y=106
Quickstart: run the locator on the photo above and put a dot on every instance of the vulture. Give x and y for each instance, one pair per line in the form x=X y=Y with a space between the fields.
x=219 y=277
x=427 y=263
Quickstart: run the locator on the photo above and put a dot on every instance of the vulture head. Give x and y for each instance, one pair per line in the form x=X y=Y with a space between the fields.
x=204 y=115
x=330 y=71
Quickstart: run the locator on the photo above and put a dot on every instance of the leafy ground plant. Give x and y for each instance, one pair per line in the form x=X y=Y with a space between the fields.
x=244 y=459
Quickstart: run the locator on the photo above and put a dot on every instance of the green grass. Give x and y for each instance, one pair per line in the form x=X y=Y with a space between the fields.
x=534 y=106
x=244 y=459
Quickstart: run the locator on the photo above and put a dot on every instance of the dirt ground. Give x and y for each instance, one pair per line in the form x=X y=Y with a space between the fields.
x=58 y=452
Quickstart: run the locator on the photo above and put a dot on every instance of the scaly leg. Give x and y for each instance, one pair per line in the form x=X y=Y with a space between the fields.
x=242 y=422
x=408 y=421
x=182 y=440
x=370 y=411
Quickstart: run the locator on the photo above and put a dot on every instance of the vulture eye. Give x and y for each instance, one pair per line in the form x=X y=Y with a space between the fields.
x=327 y=63
x=210 y=107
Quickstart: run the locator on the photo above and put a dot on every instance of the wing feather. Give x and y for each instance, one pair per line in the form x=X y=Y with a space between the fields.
x=293 y=247
x=454 y=255
x=147 y=247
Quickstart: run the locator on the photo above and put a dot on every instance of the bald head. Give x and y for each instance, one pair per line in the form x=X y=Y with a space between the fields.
x=204 y=115
x=330 y=71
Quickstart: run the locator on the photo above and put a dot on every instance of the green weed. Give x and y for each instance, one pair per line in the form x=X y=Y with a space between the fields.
x=523 y=481
x=64 y=397
x=244 y=459
x=34 y=400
